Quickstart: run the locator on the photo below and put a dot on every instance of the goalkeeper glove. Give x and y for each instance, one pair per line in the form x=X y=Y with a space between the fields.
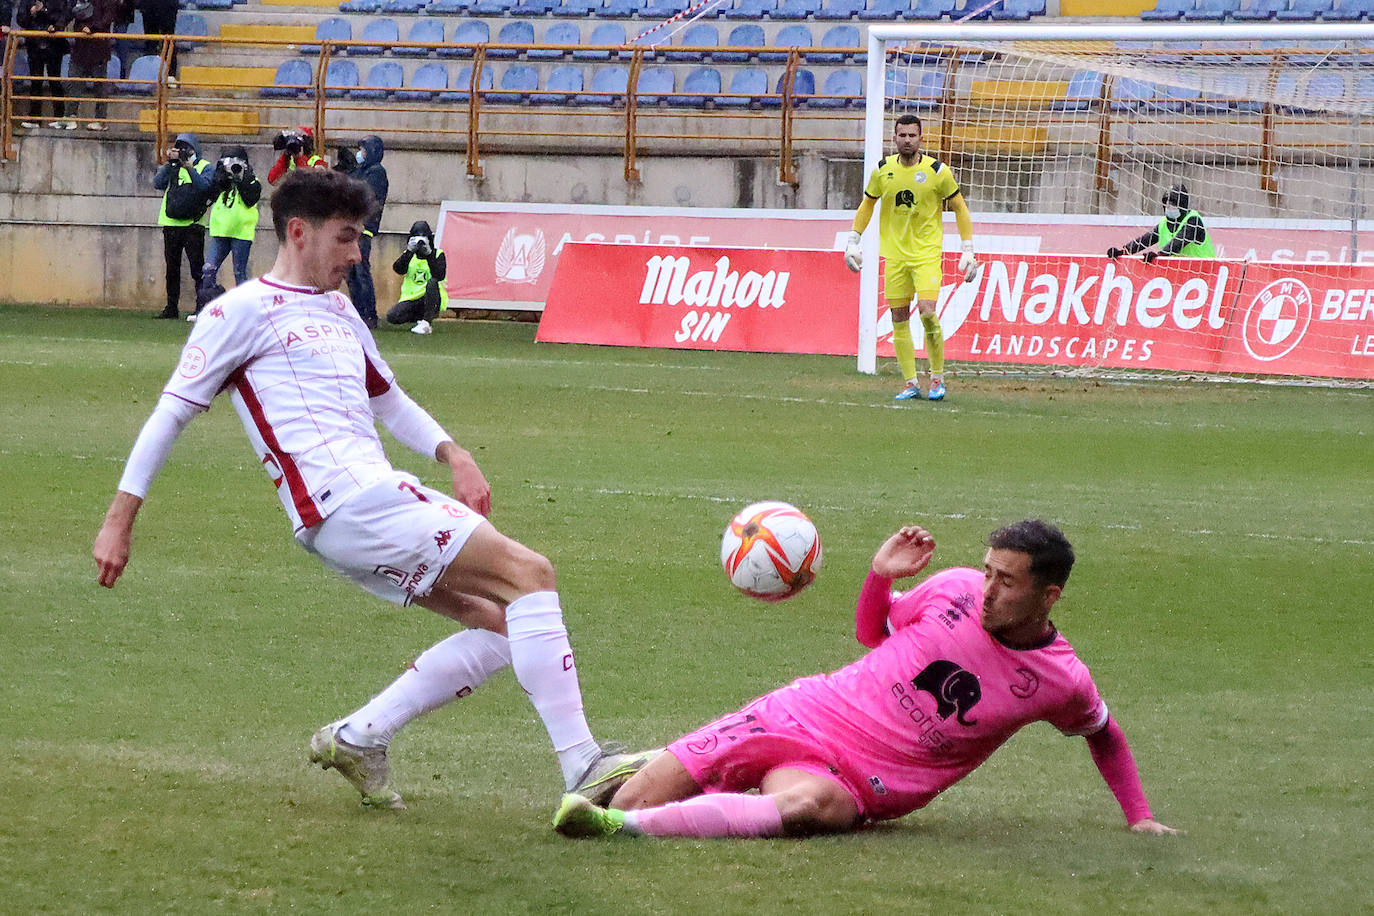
x=853 y=253
x=1114 y=253
x=968 y=264
x=1149 y=256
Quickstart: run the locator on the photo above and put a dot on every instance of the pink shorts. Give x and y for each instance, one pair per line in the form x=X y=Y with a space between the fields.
x=734 y=753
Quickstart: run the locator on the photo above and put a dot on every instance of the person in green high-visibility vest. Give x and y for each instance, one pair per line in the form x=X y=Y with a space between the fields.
x=423 y=268
x=1179 y=234
x=235 y=192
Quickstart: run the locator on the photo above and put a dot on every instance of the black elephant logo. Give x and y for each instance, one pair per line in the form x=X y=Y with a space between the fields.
x=905 y=199
x=954 y=689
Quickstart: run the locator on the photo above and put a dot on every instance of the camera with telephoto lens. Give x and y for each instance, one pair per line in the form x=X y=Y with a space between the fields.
x=292 y=141
x=419 y=245
x=235 y=166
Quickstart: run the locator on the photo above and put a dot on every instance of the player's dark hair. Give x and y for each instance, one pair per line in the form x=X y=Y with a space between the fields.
x=909 y=119
x=316 y=195
x=1050 y=552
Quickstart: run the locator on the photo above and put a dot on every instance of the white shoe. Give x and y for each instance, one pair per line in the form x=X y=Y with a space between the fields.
x=96 y=125
x=422 y=327
x=28 y=125
x=173 y=81
x=63 y=125
x=191 y=318
x=365 y=767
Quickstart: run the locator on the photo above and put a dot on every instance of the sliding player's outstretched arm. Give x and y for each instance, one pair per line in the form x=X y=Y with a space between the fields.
x=1115 y=762
x=905 y=553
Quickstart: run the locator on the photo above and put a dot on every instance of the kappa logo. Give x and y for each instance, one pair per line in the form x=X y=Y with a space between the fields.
x=279 y=299
x=520 y=259
x=443 y=537
x=1277 y=319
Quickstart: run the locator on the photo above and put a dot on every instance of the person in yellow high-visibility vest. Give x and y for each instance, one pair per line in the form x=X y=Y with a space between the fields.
x=1179 y=234
x=184 y=178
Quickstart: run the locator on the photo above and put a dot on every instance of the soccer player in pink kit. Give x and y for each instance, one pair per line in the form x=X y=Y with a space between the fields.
x=957 y=666
x=309 y=384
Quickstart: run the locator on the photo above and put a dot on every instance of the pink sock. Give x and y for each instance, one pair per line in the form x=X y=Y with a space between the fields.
x=716 y=815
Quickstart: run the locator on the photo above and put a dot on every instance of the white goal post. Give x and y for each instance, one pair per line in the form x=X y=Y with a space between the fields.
x=1080 y=126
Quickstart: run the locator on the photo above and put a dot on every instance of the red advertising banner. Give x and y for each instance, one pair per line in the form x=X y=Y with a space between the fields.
x=703 y=299
x=1180 y=314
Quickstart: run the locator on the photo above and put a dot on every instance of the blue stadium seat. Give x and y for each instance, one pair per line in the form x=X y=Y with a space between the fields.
x=698 y=35
x=491 y=8
x=1129 y=94
x=929 y=10
x=803 y=87
x=700 y=87
x=1167 y=10
x=794 y=9
x=335 y=28
x=384 y=31
x=1303 y=10
x=462 y=83
x=1082 y=93
x=529 y=9
x=608 y=86
x=840 y=9
x=517 y=83
x=1259 y=10
x=340 y=77
x=619 y=9
x=741 y=36
x=427 y=81
x=1327 y=86
x=1211 y=10
x=402 y=7
x=426 y=29
x=662 y=9
x=192 y=24
x=519 y=32
x=1364 y=89
x=360 y=6
x=606 y=33
x=1349 y=10
x=383 y=78
x=789 y=36
x=446 y=7
x=469 y=32
x=747 y=87
x=654 y=85
x=560 y=33
x=562 y=84
x=1019 y=10
x=577 y=8
x=838 y=36
x=747 y=9
x=1234 y=92
x=842 y=88
x=146 y=69
x=922 y=95
x=884 y=9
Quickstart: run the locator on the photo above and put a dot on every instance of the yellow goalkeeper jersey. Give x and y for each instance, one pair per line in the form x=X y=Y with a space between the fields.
x=913 y=198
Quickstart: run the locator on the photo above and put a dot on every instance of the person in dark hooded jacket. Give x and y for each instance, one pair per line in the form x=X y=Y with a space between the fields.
x=233 y=221
x=184 y=178
x=1179 y=234
x=45 y=59
x=370 y=169
x=423 y=267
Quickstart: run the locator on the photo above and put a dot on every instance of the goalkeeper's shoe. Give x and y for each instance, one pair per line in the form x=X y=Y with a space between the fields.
x=912 y=391
x=609 y=772
x=366 y=768
x=578 y=817
x=937 y=391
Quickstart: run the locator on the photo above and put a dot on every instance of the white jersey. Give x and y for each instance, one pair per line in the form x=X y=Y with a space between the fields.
x=300 y=367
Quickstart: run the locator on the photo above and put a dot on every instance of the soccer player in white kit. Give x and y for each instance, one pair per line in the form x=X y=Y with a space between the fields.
x=308 y=383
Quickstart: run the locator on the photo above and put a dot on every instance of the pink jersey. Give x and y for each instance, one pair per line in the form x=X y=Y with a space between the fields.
x=922 y=710
x=300 y=367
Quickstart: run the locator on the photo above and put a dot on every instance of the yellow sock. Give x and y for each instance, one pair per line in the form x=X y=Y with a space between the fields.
x=906 y=350
x=935 y=343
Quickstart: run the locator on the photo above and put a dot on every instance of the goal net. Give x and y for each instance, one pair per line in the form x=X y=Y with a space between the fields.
x=1065 y=141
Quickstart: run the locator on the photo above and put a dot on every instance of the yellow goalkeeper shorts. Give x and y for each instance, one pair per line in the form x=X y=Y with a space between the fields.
x=905 y=280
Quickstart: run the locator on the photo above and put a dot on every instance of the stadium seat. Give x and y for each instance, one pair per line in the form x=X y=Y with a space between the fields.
x=529 y=9
x=1019 y=10
x=840 y=9
x=741 y=36
x=560 y=33
x=608 y=86
x=794 y=9
x=746 y=9
x=698 y=35
x=789 y=36
x=1167 y=10
x=1327 y=86
x=1234 y=92
x=606 y=33
x=383 y=78
x=921 y=95
x=747 y=87
x=402 y=7
x=335 y=28
x=562 y=84
x=1349 y=10
x=492 y=8
x=803 y=87
x=426 y=29
x=517 y=83
x=446 y=7
x=1174 y=53
x=578 y=8
x=930 y=10
x=428 y=81
x=462 y=83
x=1303 y=10
x=360 y=6
x=469 y=32
x=519 y=32
x=838 y=36
x=294 y=77
x=192 y=24
x=654 y=85
x=1364 y=89
x=884 y=9
x=1259 y=10
x=145 y=70
x=662 y=9
x=1083 y=92
x=700 y=87
x=619 y=9
x=842 y=88
x=340 y=77
x=384 y=31
x=1211 y=10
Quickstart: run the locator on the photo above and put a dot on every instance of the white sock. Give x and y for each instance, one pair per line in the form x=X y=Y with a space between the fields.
x=543 y=661
x=446 y=671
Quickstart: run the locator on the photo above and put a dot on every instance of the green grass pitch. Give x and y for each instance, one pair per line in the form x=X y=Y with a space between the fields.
x=154 y=736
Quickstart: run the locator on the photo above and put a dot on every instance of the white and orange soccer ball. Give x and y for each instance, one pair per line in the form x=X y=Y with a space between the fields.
x=771 y=551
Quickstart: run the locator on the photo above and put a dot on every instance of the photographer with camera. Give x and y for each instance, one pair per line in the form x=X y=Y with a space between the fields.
x=370 y=169
x=423 y=267
x=296 y=149
x=235 y=192
x=184 y=178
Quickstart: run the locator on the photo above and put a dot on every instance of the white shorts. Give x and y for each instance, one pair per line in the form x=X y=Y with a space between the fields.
x=394 y=537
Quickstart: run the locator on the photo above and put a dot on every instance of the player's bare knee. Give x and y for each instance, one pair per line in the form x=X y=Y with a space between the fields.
x=530 y=571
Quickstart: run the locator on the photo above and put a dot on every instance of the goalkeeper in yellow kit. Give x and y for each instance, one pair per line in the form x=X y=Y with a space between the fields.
x=914 y=188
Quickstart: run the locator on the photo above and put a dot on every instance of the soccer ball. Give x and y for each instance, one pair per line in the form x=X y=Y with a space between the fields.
x=770 y=551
